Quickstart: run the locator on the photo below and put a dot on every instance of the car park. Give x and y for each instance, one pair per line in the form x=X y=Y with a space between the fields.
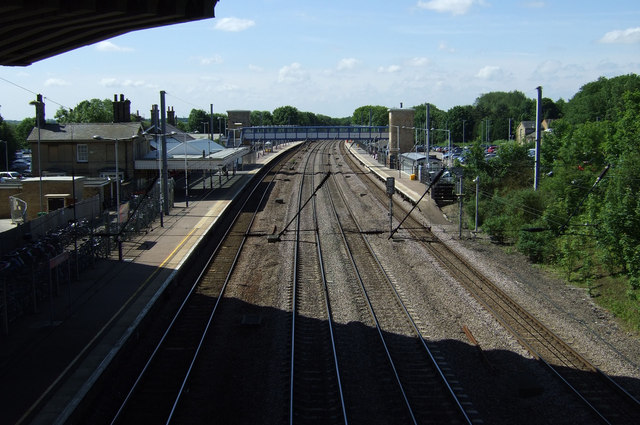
x=9 y=175
x=20 y=164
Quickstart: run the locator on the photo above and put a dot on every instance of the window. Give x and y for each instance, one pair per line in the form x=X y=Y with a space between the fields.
x=83 y=153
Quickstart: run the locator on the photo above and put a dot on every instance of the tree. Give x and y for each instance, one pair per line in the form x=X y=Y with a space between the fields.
x=261 y=118
x=494 y=109
x=600 y=100
x=459 y=118
x=87 y=111
x=23 y=129
x=286 y=115
x=371 y=115
x=7 y=134
x=550 y=110
x=307 y=118
x=197 y=120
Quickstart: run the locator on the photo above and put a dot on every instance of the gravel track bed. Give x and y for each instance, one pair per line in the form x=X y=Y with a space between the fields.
x=520 y=390
x=502 y=381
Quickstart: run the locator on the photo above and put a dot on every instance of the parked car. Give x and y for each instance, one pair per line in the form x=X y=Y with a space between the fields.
x=9 y=175
x=20 y=164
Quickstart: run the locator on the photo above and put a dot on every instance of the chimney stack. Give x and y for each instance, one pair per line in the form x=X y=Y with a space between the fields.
x=121 y=109
x=40 y=111
x=171 y=116
x=155 y=120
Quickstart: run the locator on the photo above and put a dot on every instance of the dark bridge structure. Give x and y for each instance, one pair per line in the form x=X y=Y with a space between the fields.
x=290 y=133
x=32 y=30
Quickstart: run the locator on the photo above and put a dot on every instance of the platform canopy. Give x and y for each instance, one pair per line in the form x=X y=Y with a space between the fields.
x=34 y=30
x=215 y=160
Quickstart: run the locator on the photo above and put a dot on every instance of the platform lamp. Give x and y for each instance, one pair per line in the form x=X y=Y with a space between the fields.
x=119 y=239
x=39 y=107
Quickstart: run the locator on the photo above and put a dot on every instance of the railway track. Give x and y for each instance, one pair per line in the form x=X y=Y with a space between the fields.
x=426 y=393
x=607 y=400
x=156 y=393
x=342 y=345
x=315 y=388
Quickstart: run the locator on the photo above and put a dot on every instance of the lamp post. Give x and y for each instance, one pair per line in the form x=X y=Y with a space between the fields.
x=186 y=172
x=96 y=137
x=6 y=154
x=37 y=103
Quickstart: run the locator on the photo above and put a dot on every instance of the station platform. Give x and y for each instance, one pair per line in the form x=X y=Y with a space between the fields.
x=413 y=191
x=67 y=346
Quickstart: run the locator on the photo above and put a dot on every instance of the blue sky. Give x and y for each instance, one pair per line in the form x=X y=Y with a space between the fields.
x=333 y=56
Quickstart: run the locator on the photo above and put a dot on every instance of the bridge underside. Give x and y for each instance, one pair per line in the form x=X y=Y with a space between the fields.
x=295 y=133
x=32 y=30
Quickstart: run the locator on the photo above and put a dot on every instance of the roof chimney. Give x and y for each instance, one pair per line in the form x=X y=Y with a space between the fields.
x=121 y=109
x=155 y=114
x=40 y=111
x=171 y=116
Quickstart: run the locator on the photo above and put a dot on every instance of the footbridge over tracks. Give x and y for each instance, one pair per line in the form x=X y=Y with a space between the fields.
x=286 y=133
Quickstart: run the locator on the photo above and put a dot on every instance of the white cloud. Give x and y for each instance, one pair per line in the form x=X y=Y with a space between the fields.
x=347 y=63
x=209 y=60
x=455 y=7
x=292 y=74
x=389 y=69
x=108 y=82
x=550 y=67
x=107 y=46
x=628 y=36
x=490 y=73
x=535 y=4
x=234 y=24
x=56 y=82
x=445 y=48
x=255 y=68
x=133 y=83
x=418 y=61
x=114 y=82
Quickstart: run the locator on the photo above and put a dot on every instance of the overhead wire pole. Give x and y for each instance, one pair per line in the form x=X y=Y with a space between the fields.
x=435 y=179
x=165 y=172
x=277 y=237
x=536 y=173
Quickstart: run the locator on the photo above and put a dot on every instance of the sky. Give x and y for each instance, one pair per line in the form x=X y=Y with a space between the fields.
x=330 y=57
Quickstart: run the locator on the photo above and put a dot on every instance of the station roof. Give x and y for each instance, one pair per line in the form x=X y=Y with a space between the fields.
x=34 y=30
x=217 y=159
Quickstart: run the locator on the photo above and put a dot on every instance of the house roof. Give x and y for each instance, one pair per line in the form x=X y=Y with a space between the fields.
x=85 y=131
x=176 y=147
x=414 y=156
x=528 y=124
x=34 y=30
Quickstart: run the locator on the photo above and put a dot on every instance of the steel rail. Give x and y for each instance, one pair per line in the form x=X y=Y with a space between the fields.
x=400 y=302
x=328 y=307
x=125 y=403
x=554 y=345
x=310 y=160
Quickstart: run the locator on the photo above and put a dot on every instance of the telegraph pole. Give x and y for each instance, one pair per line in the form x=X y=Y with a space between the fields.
x=163 y=135
x=536 y=173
